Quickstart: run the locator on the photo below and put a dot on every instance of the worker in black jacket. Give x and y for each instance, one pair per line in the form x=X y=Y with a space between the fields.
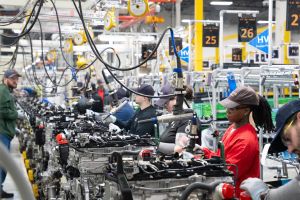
x=168 y=137
x=145 y=111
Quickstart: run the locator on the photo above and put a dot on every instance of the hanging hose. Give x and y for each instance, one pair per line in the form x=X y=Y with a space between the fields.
x=208 y=187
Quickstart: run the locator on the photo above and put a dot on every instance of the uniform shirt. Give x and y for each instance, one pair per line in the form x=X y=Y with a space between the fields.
x=97 y=105
x=169 y=135
x=101 y=93
x=140 y=128
x=241 y=149
x=8 y=112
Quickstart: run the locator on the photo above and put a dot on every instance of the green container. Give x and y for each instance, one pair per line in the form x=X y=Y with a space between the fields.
x=204 y=110
x=221 y=112
x=271 y=102
x=197 y=108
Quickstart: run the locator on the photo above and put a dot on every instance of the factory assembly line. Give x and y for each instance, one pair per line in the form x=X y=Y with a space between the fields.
x=123 y=100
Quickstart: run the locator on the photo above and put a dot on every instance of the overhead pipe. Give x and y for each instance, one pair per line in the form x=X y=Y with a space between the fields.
x=199 y=15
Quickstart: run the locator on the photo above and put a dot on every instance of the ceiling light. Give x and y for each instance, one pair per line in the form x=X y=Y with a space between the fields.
x=265 y=22
x=221 y=3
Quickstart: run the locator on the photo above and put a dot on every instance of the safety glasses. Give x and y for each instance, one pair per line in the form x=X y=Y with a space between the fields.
x=285 y=137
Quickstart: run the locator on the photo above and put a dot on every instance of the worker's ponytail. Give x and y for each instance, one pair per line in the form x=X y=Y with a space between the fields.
x=262 y=115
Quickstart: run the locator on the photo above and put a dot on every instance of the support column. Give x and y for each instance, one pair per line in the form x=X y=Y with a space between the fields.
x=217 y=54
x=198 y=36
x=178 y=13
x=282 y=37
x=244 y=54
x=286 y=40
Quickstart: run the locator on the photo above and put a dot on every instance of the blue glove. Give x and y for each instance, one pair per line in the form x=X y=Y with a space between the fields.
x=255 y=187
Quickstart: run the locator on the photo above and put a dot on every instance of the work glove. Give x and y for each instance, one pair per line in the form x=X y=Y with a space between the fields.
x=114 y=128
x=89 y=113
x=109 y=119
x=255 y=187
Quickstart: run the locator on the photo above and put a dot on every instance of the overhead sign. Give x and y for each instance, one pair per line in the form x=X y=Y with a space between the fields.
x=237 y=55
x=205 y=64
x=261 y=41
x=293 y=15
x=293 y=51
x=184 y=54
x=246 y=29
x=147 y=49
x=210 y=36
x=260 y=57
x=178 y=44
x=275 y=53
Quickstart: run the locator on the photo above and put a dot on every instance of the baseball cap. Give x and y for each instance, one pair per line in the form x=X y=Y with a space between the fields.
x=11 y=73
x=145 y=89
x=283 y=115
x=241 y=96
x=121 y=93
x=165 y=90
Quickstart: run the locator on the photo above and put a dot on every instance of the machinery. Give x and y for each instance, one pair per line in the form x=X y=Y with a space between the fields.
x=73 y=156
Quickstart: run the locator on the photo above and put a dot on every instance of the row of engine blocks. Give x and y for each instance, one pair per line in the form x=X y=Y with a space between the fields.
x=75 y=157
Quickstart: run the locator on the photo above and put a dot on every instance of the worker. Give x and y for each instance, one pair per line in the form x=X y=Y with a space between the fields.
x=145 y=111
x=168 y=137
x=101 y=90
x=126 y=112
x=8 y=117
x=97 y=104
x=287 y=137
x=240 y=139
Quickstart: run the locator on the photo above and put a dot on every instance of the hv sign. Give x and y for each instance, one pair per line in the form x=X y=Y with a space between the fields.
x=184 y=54
x=261 y=41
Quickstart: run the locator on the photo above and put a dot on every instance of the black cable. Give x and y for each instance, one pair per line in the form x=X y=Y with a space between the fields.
x=203 y=186
x=43 y=59
x=92 y=45
x=15 y=18
x=24 y=67
x=54 y=85
x=35 y=78
x=32 y=24
x=59 y=28
x=12 y=61
x=12 y=58
x=60 y=34
x=61 y=48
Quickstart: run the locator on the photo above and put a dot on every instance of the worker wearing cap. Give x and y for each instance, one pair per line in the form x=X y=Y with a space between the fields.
x=240 y=139
x=145 y=111
x=287 y=137
x=8 y=117
x=167 y=138
x=101 y=90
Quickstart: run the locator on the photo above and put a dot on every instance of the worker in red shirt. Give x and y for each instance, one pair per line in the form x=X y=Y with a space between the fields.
x=101 y=90
x=240 y=139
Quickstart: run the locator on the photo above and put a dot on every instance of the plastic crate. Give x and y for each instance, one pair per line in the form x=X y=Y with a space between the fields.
x=204 y=110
